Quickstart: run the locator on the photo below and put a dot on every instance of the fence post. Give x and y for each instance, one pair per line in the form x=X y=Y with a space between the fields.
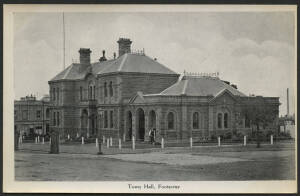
x=162 y=143
x=35 y=139
x=82 y=140
x=96 y=142
x=68 y=136
x=191 y=142
x=38 y=139
x=111 y=142
x=103 y=138
x=133 y=142
x=271 y=139
x=120 y=145
x=21 y=139
x=77 y=135
x=50 y=140
x=245 y=140
x=107 y=143
x=124 y=137
x=43 y=140
x=219 y=141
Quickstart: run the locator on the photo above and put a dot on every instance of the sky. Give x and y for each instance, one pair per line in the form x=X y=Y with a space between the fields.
x=254 y=50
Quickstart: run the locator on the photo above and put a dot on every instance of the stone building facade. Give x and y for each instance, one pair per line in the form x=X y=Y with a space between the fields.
x=32 y=116
x=132 y=93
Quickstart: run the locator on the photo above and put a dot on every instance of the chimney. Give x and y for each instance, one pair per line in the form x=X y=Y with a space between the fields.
x=287 y=103
x=85 y=56
x=103 y=56
x=234 y=86
x=124 y=46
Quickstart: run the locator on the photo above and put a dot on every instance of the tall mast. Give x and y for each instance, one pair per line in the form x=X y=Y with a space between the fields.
x=64 y=44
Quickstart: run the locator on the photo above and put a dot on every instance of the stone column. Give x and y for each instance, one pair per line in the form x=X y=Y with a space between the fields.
x=134 y=124
x=146 y=136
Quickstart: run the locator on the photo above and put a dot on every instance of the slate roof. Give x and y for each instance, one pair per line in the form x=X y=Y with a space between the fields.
x=129 y=62
x=200 y=86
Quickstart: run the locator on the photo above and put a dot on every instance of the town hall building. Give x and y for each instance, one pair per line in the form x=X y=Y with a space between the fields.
x=132 y=93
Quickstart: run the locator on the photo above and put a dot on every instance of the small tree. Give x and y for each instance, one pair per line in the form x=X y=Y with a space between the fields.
x=260 y=113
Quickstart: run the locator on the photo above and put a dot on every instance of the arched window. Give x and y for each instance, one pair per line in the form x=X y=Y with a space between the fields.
x=219 y=120
x=225 y=120
x=247 y=121
x=47 y=112
x=195 y=120
x=58 y=118
x=171 y=120
x=57 y=94
x=91 y=92
x=111 y=92
x=53 y=94
x=111 y=117
x=105 y=89
x=94 y=92
x=54 y=118
x=81 y=94
x=105 y=119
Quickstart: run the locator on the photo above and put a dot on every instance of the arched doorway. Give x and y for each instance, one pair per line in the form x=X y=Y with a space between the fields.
x=84 y=121
x=140 y=124
x=129 y=126
x=152 y=120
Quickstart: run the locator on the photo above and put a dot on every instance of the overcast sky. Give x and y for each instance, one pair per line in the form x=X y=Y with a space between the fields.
x=250 y=49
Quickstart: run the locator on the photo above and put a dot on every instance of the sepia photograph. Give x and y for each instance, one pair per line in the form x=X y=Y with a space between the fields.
x=150 y=98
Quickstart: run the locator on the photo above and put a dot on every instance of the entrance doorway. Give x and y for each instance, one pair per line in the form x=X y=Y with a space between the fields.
x=140 y=124
x=152 y=120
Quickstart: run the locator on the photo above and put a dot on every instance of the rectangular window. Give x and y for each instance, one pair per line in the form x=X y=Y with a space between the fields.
x=54 y=118
x=105 y=119
x=53 y=92
x=58 y=118
x=25 y=115
x=111 y=116
x=38 y=114
x=219 y=120
x=81 y=98
x=226 y=120
x=57 y=94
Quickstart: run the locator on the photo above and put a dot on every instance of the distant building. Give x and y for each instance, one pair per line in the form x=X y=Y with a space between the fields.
x=132 y=93
x=287 y=125
x=32 y=116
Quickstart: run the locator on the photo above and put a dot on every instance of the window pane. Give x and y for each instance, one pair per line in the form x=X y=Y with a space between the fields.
x=196 y=120
x=111 y=89
x=226 y=120
x=170 y=120
x=219 y=120
x=111 y=119
x=105 y=119
x=105 y=89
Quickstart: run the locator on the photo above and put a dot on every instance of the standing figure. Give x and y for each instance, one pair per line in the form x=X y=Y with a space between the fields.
x=150 y=136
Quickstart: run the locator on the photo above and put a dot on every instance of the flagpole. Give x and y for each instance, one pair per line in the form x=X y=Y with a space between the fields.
x=64 y=44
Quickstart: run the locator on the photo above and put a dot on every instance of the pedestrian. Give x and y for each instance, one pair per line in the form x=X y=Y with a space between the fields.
x=154 y=135
x=150 y=136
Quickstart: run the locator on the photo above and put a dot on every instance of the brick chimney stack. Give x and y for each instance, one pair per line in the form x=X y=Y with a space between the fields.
x=124 y=46
x=85 y=56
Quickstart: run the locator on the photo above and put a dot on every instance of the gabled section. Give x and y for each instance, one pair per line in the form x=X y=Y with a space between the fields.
x=224 y=97
x=138 y=98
